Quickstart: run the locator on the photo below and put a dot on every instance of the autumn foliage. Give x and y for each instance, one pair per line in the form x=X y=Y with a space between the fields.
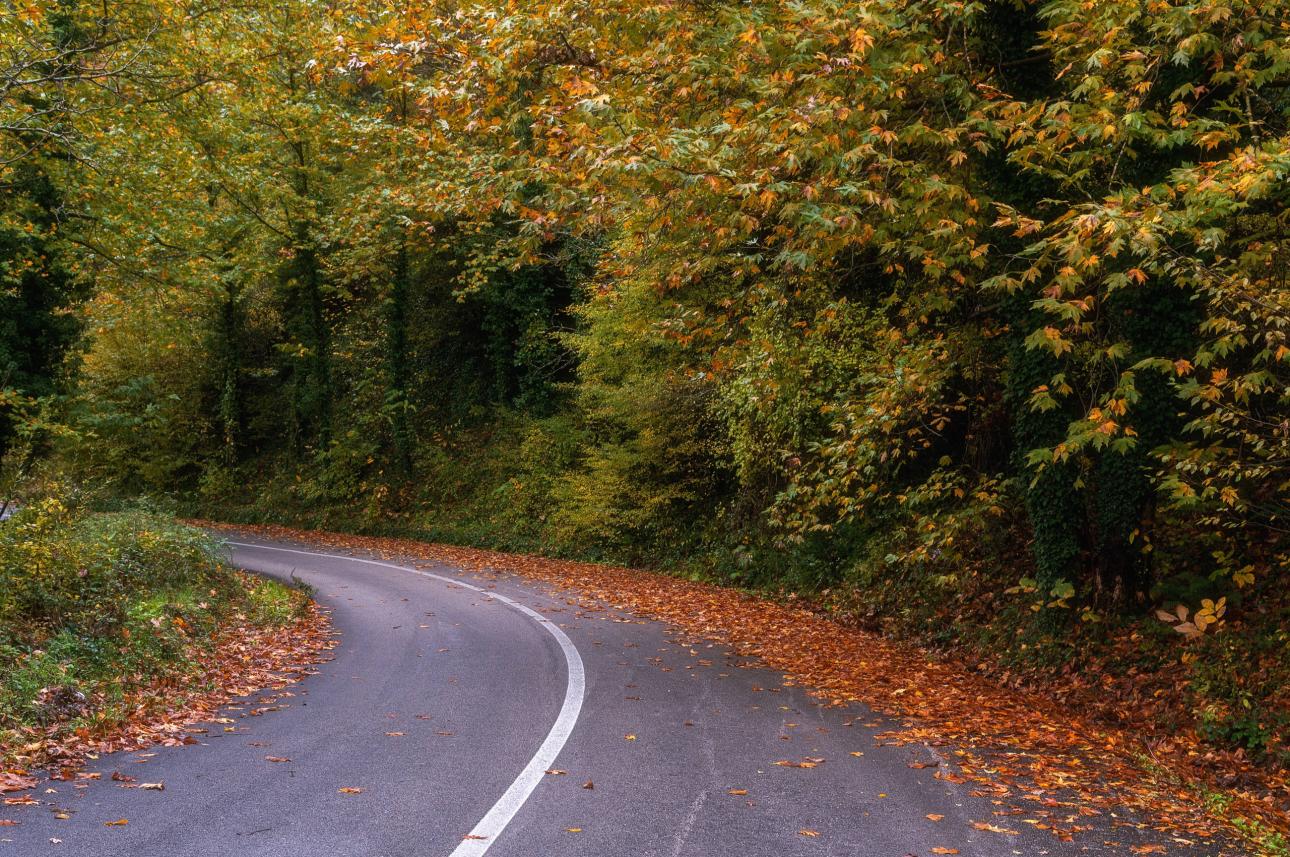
x=967 y=319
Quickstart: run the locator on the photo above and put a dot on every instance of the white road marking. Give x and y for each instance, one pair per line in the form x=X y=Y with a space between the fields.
x=496 y=819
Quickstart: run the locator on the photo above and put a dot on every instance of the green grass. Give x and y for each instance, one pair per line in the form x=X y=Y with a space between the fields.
x=100 y=610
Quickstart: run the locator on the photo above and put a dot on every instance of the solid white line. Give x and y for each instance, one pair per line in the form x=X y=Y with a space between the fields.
x=496 y=819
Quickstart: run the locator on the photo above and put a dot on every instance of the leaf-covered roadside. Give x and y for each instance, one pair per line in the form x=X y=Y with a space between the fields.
x=1057 y=762
x=118 y=631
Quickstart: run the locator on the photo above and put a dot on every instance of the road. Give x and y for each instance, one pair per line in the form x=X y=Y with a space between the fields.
x=448 y=686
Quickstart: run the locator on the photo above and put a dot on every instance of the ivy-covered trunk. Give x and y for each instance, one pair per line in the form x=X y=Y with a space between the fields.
x=398 y=369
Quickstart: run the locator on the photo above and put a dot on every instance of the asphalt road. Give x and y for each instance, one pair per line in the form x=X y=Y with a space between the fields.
x=442 y=694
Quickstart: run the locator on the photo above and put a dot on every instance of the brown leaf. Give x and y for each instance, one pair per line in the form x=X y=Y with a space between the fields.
x=120 y=822
x=16 y=781
x=276 y=759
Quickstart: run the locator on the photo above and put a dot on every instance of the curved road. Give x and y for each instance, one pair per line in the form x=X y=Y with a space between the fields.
x=453 y=694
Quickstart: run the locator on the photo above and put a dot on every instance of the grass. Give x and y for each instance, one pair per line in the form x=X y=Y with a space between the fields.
x=101 y=614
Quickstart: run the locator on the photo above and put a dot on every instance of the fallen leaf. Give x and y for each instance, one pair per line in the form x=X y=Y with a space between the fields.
x=8 y=822
x=588 y=785
x=276 y=759
x=934 y=816
x=350 y=790
x=21 y=800
x=153 y=787
x=16 y=781
x=394 y=734
x=738 y=792
x=629 y=737
x=120 y=822
x=940 y=849
x=810 y=833
x=555 y=772
x=574 y=829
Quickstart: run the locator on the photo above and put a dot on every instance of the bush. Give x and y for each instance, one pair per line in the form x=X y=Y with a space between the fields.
x=64 y=570
x=94 y=607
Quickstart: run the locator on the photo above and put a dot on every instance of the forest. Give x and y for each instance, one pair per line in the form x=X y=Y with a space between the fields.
x=963 y=320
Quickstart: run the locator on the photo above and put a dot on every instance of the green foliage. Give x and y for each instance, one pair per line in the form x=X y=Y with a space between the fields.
x=95 y=605
x=871 y=298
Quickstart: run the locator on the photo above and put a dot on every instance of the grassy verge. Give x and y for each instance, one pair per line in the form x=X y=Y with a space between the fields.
x=111 y=624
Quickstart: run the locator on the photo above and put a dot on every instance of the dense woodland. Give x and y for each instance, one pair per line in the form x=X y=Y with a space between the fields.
x=964 y=319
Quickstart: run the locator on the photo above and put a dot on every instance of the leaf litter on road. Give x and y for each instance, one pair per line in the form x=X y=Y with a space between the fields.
x=1059 y=759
